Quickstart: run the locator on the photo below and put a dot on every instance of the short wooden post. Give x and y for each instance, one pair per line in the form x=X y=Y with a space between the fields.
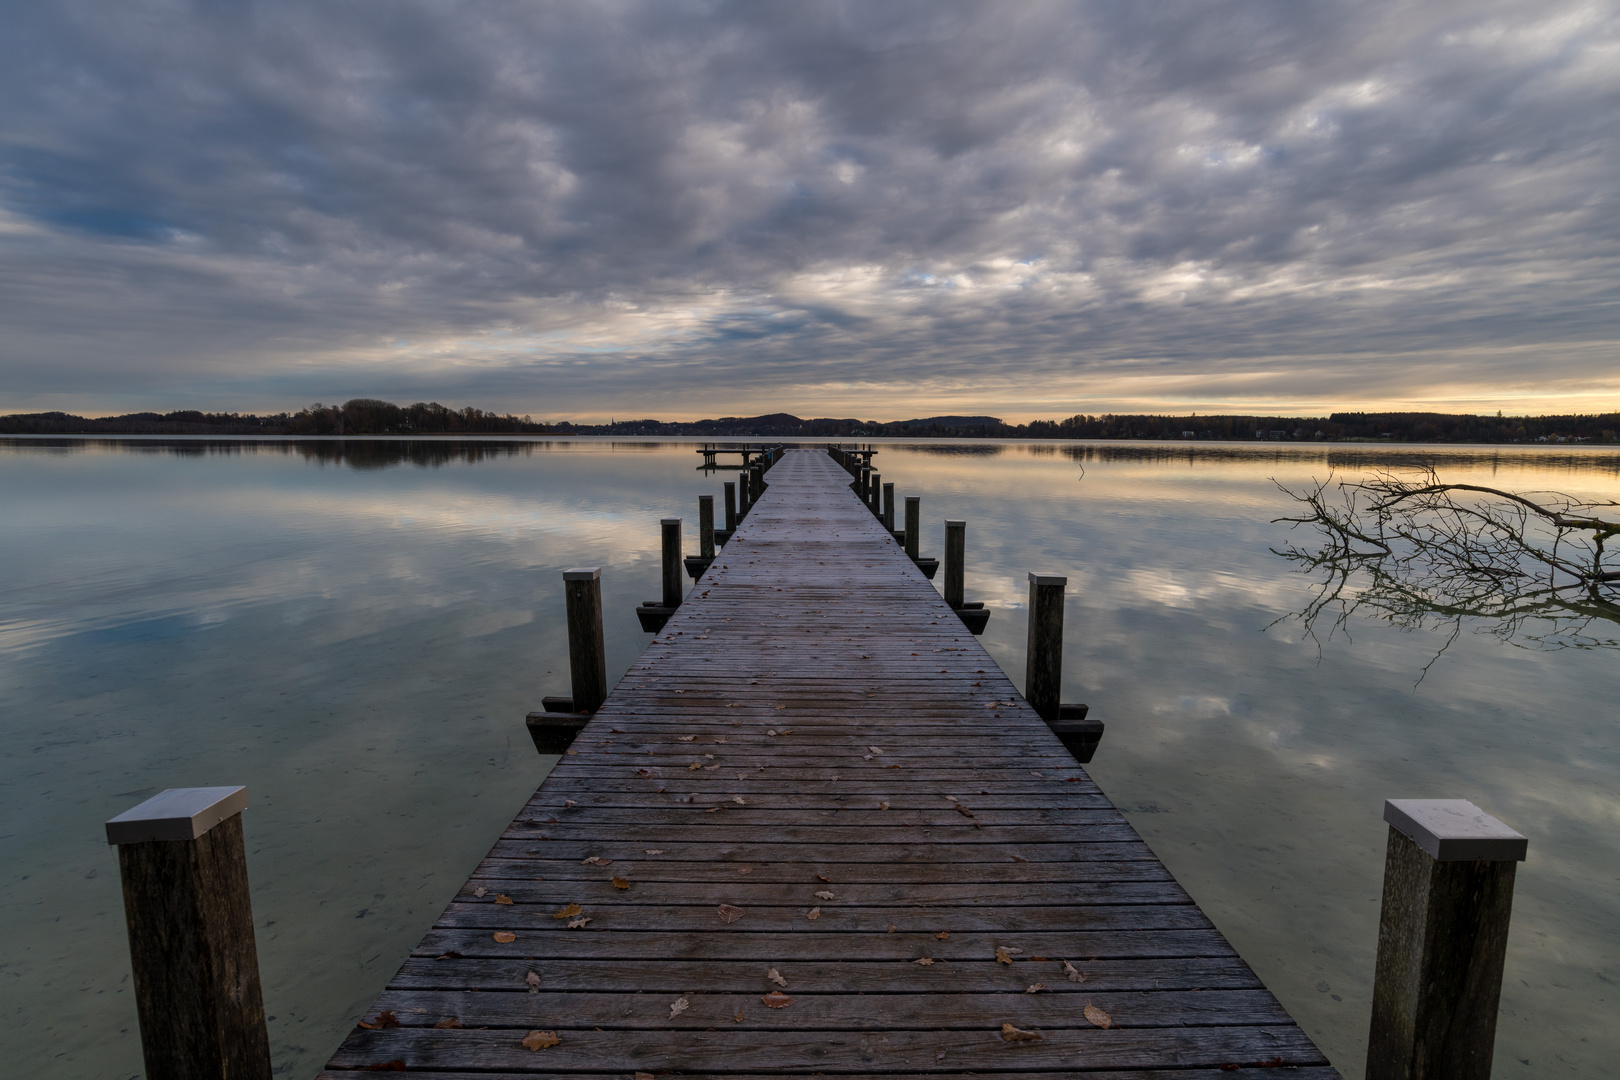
x=888 y=507
x=866 y=484
x=913 y=527
x=955 y=562
x=184 y=870
x=1442 y=939
x=674 y=588
x=1043 y=658
x=874 y=495
x=757 y=475
x=731 y=506
x=744 y=487
x=706 y=526
x=587 y=655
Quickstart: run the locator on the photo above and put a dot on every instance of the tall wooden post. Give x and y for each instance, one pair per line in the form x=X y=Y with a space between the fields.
x=1043 y=659
x=757 y=478
x=874 y=495
x=888 y=507
x=587 y=654
x=913 y=527
x=1442 y=940
x=184 y=870
x=706 y=526
x=955 y=562
x=744 y=486
x=731 y=506
x=866 y=485
x=673 y=587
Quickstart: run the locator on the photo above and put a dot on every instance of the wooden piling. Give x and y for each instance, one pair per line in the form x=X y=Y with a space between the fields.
x=184 y=868
x=1442 y=940
x=888 y=507
x=955 y=562
x=914 y=527
x=587 y=654
x=674 y=588
x=731 y=507
x=706 y=526
x=874 y=495
x=1043 y=662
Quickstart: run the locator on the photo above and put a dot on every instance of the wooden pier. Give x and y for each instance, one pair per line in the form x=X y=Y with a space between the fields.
x=816 y=830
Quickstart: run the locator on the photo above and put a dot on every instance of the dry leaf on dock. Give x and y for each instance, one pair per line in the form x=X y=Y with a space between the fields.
x=448 y=1022
x=532 y=980
x=1035 y=988
x=678 y=1006
x=776 y=977
x=824 y=894
x=595 y=860
x=926 y=961
x=1073 y=973
x=480 y=891
x=1002 y=956
x=502 y=898
x=1098 y=1018
x=813 y=913
x=541 y=1040
x=580 y=923
x=1014 y=1034
x=505 y=937
x=568 y=912
x=777 y=1000
x=621 y=883
x=729 y=913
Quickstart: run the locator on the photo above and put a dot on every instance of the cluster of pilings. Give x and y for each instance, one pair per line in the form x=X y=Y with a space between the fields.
x=878 y=497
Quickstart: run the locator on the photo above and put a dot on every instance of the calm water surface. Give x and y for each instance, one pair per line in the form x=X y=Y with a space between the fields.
x=355 y=630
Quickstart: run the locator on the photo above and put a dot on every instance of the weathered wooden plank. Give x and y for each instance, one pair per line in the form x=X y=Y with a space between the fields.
x=816 y=976
x=833 y=1051
x=1010 y=877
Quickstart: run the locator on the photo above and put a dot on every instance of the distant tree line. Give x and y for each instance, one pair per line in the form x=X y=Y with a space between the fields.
x=367 y=416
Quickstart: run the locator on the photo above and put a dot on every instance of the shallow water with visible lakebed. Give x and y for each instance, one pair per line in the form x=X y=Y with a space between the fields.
x=355 y=629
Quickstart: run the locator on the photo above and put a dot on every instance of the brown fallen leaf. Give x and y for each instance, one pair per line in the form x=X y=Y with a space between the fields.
x=532 y=981
x=568 y=912
x=1017 y=858
x=1014 y=1034
x=1002 y=956
x=738 y=799
x=595 y=860
x=621 y=883
x=1036 y=959
x=541 y=1040
x=964 y=811
x=448 y=954
x=813 y=913
x=448 y=1022
x=685 y=738
x=745 y=869
x=824 y=877
x=1073 y=973
x=883 y=806
x=580 y=923
x=643 y=772
x=696 y=765
x=776 y=977
x=678 y=1006
x=1098 y=1018
x=777 y=1000
x=644 y=1076
x=943 y=935
x=711 y=810
x=892 y=928
x=926 y=961
x=824 y=894
x=1034 y=988
x=729 y=913
x=505 y=937
x=875 y=749
x=502 y=898
x=480 y=891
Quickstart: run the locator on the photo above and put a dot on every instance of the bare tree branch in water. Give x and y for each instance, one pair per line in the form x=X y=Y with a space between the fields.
x=1405 y=548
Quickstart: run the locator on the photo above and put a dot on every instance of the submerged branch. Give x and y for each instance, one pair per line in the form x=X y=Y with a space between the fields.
x=1410 y=550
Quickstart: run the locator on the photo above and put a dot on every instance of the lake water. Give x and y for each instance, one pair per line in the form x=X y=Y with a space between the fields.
x=355 y=630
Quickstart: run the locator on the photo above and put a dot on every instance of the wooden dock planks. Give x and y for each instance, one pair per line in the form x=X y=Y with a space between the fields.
x=815 y=769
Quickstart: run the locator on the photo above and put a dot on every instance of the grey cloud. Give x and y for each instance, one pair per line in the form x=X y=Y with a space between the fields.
x=570 y=207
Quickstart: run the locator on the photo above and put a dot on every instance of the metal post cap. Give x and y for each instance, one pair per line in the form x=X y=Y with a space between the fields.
x=582 y=573
x=176 y=814
x=1455 y=830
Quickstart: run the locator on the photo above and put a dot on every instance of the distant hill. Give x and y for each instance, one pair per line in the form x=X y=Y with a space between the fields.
x=367 y=416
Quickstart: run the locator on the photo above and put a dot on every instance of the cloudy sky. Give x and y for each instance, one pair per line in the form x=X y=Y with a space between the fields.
x=876 y=208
